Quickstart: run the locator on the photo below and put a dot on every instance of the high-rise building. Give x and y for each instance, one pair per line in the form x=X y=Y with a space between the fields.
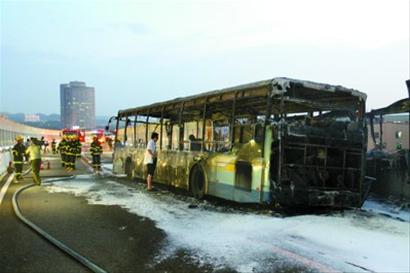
x=77 y=103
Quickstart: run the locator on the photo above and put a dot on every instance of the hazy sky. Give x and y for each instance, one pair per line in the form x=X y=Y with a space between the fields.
x=139 y=52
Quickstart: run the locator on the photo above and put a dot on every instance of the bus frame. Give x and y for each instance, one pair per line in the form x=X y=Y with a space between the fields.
x=279 y=141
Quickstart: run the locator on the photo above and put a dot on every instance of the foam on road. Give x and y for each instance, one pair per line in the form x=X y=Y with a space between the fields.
x=249 y=242
x=389 y=209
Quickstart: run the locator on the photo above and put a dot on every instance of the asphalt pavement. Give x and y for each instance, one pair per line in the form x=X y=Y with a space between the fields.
x=109 y=236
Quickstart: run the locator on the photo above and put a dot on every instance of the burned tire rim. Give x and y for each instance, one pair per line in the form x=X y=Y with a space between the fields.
x=197 y=182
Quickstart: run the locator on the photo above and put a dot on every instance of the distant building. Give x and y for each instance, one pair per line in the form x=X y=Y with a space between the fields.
x=31 y=118
x=77 y=103
x=395 y=131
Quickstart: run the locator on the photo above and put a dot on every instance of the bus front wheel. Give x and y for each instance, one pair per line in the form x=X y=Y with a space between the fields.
x=197 y=182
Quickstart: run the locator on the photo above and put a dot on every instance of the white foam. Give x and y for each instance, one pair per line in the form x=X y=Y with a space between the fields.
x=107 y=166
x=387 y=209
x=249 y=242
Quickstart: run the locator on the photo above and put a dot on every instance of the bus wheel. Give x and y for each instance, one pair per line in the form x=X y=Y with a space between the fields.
x=197 y=182
x=128 y=168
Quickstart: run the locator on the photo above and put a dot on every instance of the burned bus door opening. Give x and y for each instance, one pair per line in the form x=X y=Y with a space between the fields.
x=243 y=175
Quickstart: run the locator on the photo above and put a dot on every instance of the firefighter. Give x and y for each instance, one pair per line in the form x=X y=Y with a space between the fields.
x=96 y=151
x=54 y=146
x=34 y=153
x=77 y=145
x=62 y=148
x=18 y=157
x=71 y=152
x=68 y=154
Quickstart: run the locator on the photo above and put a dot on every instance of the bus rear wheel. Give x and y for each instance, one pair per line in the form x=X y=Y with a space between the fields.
x=197 y=182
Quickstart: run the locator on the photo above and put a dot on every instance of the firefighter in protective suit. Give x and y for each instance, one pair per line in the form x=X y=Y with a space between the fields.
x=77 y=146
x=96 y=151
x=62 y=148
x=18 y=157
x=73 y=151
x=70 y=153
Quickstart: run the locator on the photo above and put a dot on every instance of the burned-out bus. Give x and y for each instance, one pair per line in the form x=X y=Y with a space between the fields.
x=279 y=141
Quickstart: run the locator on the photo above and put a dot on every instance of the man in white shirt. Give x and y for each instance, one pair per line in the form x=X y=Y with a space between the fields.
x=150 y=159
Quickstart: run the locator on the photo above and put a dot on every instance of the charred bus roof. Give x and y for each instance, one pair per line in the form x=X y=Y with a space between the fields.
x=297 y=96
x=400 y=106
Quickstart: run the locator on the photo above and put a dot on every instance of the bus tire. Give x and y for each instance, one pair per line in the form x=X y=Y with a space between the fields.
x=197 y=182
x=128 y=167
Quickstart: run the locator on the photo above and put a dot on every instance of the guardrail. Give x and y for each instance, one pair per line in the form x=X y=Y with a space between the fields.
x=10 y=129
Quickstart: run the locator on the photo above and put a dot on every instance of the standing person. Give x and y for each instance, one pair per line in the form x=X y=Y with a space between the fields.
x=76 y=150
x=62 y=146
x=150 y=159
x=96 y=151
x=18 y=157
x=42 y=144
x=194 y=145
x=34 y=153
x=46 y=146
x=54 y=146
x=109 y=142
x=78 y=146
x=70 y=154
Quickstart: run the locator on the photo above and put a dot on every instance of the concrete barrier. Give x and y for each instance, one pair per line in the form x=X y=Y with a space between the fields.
x=10 y=129
x=5 y=158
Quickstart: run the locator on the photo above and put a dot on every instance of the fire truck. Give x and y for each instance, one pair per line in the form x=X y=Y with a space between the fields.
x=99 y=133
x=77 y=132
